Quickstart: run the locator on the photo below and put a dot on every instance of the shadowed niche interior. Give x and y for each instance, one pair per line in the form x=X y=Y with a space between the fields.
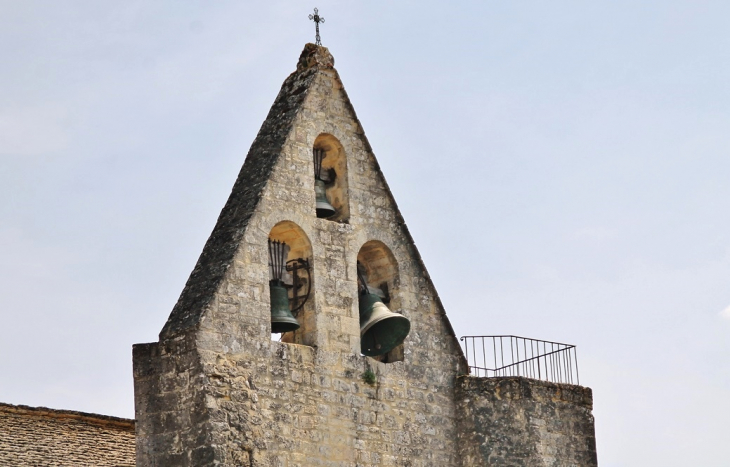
x=296 y=277
x=378 y=268
x=333 y=173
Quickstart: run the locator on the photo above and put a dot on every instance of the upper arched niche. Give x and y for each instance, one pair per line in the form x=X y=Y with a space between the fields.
x=293 y=235
x=334 y=173
x=298 y=282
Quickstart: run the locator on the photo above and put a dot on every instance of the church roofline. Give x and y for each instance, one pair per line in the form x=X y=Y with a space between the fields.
x=98 y=419
x=223 y=242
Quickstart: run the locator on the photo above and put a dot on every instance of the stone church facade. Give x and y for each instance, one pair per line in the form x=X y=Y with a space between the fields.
x=216 y=390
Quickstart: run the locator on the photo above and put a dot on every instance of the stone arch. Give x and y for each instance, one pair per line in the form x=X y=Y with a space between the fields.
x=380 y=269
x=379 y=263
x=334 y=171
x=299 y=248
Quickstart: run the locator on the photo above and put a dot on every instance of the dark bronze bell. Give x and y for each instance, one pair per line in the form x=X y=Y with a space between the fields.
x=281 y=318
x=381 y=330
x=324 y=208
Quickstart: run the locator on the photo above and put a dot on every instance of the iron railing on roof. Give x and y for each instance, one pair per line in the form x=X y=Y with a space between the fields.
x=493 y=356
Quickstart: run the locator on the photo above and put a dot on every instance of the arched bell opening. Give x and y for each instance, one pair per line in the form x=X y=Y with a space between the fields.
x=382 y=326
x=330 y=179
x=290 y=283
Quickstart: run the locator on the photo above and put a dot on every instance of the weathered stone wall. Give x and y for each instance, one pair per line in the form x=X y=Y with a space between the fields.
x=169 y=403
x=37 y=436
x=515 y=421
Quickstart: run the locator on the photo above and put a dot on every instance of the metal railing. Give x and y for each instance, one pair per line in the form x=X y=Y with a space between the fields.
x=492 y=356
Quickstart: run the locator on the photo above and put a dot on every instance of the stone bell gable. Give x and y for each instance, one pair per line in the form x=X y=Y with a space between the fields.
x=312 y=246
x=217 y=390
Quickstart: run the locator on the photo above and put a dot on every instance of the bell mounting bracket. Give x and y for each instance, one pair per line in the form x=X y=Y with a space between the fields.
x=298 y=267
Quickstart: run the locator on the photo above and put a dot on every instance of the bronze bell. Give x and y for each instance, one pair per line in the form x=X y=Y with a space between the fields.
x=381 y=330
x=281 y=318
x=324 y=208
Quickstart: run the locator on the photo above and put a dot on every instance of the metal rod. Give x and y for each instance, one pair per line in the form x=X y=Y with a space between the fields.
x=524 y=348
x=501 y=350
x=466 y=350
x=484 y=353
x=522 y=337
x=494 y=344
x=570 y=363
x=472 y=351
x=532 y=354
x=512 y=352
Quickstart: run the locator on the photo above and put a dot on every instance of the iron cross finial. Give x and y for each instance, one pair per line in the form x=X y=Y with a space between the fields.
x=317 y=19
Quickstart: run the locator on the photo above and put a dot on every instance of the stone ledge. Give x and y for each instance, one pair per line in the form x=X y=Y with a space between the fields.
x=103 y=420
x=517 y=387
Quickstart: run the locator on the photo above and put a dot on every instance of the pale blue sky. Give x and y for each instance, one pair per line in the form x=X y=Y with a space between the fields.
x=563 y=167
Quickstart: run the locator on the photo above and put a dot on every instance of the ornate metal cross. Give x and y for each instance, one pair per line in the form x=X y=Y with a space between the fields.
x=317 y=19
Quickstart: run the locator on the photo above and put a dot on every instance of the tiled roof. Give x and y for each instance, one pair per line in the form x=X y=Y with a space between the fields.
x=38 y=436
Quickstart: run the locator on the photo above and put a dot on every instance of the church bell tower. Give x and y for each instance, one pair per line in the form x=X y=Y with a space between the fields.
x=363 y=367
